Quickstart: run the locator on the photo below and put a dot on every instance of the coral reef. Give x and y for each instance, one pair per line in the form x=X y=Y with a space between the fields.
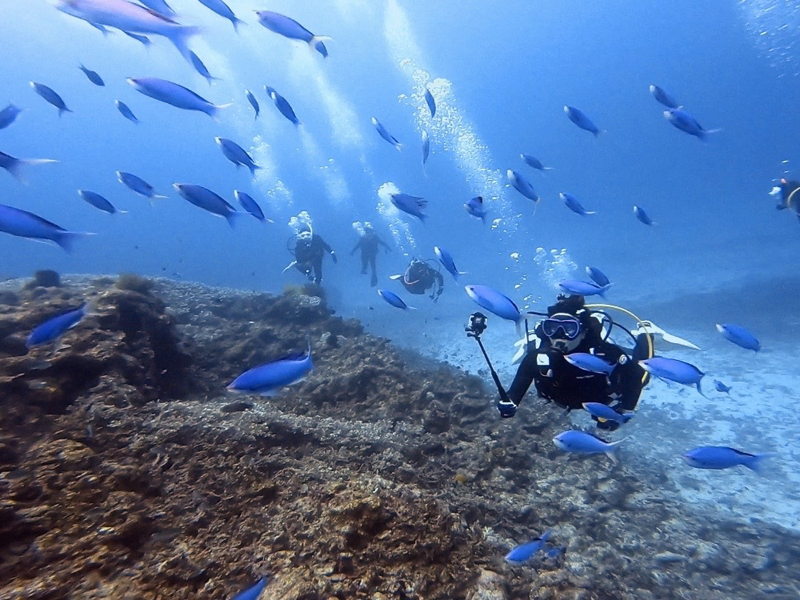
x=127 y=471
x=44 y=278
x=134 y=283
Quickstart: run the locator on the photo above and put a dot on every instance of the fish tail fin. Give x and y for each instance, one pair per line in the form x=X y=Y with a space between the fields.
x=399 y=147
x=66 y=239
x=483 y=219
x=179 y=38
x=700 y=389
x=213 y=110
x=155 y=196
x=236 y=21
x=233 y=218
x=17 y=165
x=411 y=307
x=317 y=43
x=590 y=212
x=548 y=168
x=613 y=451
x=253 y=168
x=122 y=212
x=757 y=463
x=63 y=110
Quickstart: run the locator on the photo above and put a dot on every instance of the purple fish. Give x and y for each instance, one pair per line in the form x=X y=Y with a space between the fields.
x=223 y=10
x=722 y=457
x=28 y=225
x=673 y=369
x=522 y=185
x=583 y=288
x=663 y=97
x=207 y=200
x=581 y=120
x=687 y=123
x=269 y=378
x=55 y=327
x=14 y=165
x=394 y=300
x=413 y=205
x=384 y=133
x=291 y=29
x=739 y=336
x=251 y=206
x=174 y=95
x=8 y=115
x=282 y=104
x=50 y=96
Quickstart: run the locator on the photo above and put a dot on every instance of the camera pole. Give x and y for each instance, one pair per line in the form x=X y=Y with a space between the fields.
x=495 y=377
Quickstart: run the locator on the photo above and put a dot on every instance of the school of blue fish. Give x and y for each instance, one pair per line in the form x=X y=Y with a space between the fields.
x=156 y=18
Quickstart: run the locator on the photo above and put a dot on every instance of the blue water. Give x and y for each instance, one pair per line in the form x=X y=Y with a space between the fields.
x=500 y=78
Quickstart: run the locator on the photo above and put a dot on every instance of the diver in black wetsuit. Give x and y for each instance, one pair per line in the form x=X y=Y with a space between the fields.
x=570 y=327
x=369 y=242
x=309 y=250
x=420 y=276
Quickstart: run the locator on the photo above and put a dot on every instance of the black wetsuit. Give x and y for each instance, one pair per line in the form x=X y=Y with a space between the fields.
x=309 y=255
x=420 y=276
x=369 y=244
x=568 y=386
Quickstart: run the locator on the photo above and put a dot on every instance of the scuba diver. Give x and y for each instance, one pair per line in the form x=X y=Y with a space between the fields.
x=789 y=194
x=419 y=277
x=309 y=250
x=369 y=243
x=571 y=327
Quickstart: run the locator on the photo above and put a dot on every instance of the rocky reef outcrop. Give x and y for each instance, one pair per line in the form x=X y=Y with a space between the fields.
x=127 y=471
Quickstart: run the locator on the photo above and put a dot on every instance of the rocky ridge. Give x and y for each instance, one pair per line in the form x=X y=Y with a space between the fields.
x=127 y=471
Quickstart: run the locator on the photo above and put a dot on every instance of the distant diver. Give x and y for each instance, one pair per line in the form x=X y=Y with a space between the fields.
x=562 y=357
x=369 y=243
x=420 y=277
x=309 y=249
x=789 y=193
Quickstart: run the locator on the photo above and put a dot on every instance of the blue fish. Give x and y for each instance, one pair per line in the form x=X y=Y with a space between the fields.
x=174 y=95
x=200 y=67
x=236 y=154
x=642 y=215
x=574 y=205
x=382 y=131
x=739 y=336
x=99 y=202
x=254 y=592
x=426 y=147
x=269 y=378
x=431 y=102
x=447 y=262
x=28 y=225
x=8 y=115
x=289 y=28
x=525 y=552
x=580 y=442
x=394 y=300
x=92 y=76
x=721 y=387
x=14 y=165
x=160 y=6
x=721 y=457
x=476 y=209
x=673 y=369
x=522 y=185
x=54 y=328
x=590 y=362
x=251 y=206
x=597 y=276
x=583 y=288
x=138 y=185
x=223 y=10
x=253 y=102
x=142 y=39
x=687 y=123
x=125 y=111
x=601 y=411
x=581 y=120
x=663 y=97
x=207 y=200
x=50 y=96
x=495 y=302
x=282 y=105
x=534 y=162
x=412 y=205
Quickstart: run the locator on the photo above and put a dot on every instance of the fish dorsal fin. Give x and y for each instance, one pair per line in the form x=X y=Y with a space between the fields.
x=158 y=15
x=740 y=453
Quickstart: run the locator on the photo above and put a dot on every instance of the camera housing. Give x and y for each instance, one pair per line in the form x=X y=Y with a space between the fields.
x=477 y=325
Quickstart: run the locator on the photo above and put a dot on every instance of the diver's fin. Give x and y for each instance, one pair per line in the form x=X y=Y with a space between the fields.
x=289 y=266
x=653 y=329
x=395 y=277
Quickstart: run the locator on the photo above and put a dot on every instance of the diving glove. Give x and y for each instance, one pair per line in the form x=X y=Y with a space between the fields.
x=506 y=408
